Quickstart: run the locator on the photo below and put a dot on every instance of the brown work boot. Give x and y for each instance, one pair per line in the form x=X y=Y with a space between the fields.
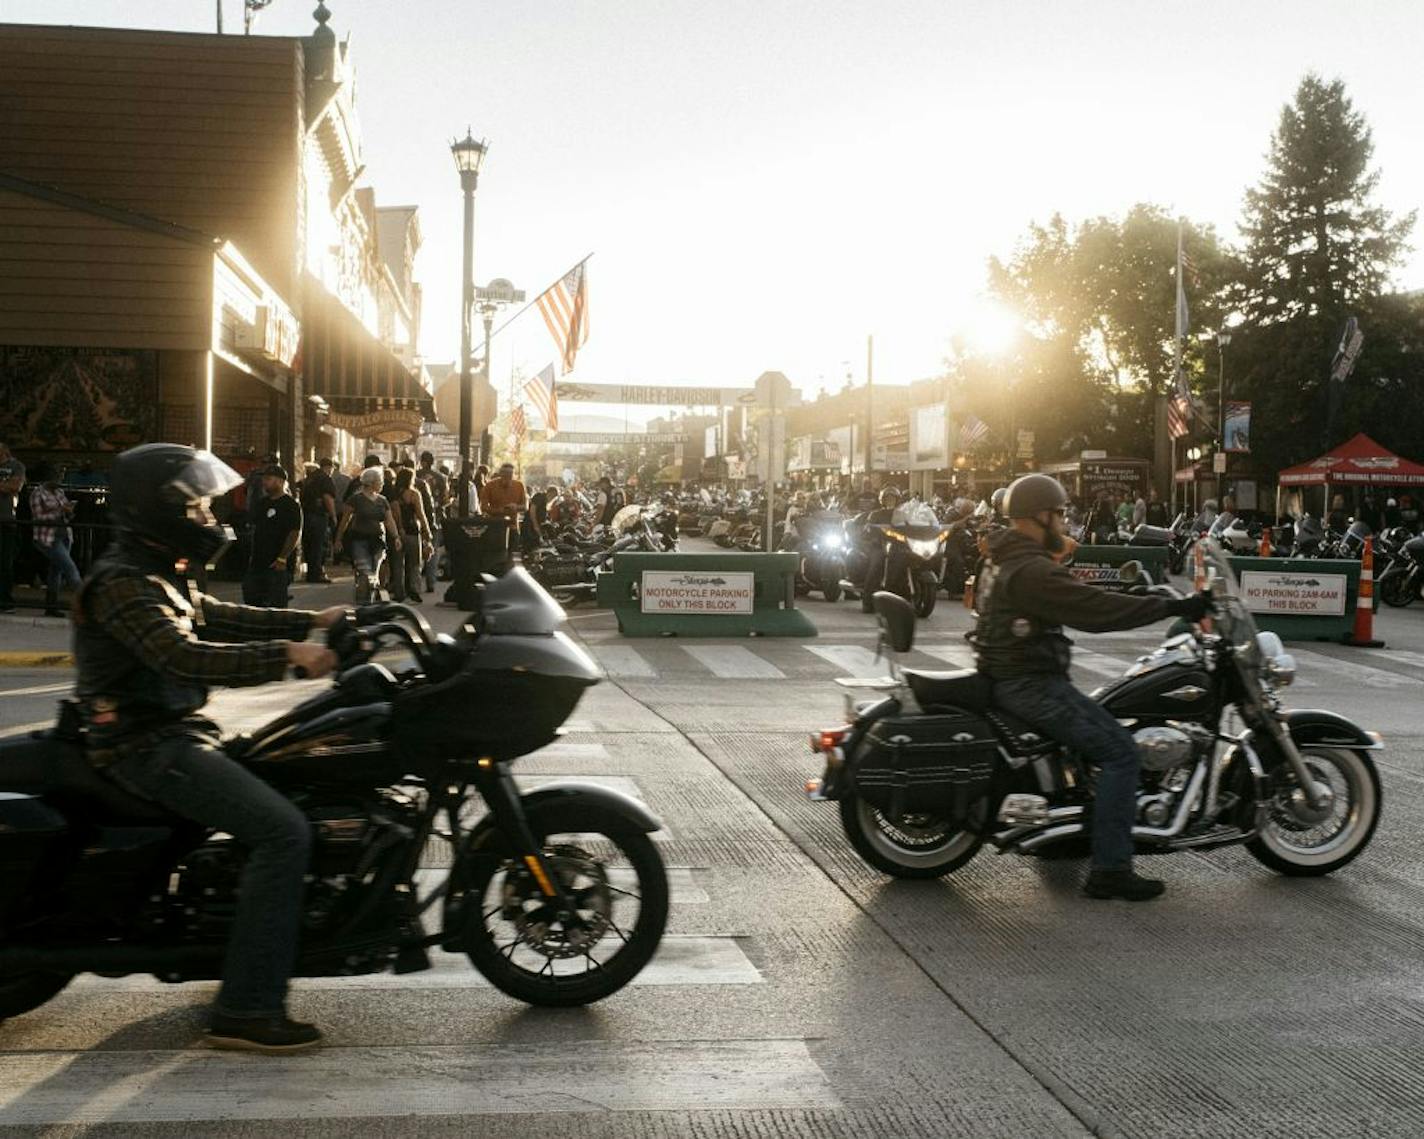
x=1124 y=884
x=272 y=1034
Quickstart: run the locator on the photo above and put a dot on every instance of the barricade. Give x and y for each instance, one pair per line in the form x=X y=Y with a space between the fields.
x=1301 y=599
x=1098 y=565
x=704 y=595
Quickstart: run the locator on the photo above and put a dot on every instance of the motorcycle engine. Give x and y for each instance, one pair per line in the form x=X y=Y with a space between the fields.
x=1167 y=754
x=349 y=842
x=1163 y=748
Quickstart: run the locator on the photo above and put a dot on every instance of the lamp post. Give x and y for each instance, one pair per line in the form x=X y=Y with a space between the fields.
x=468 y=152
x=1223 y=338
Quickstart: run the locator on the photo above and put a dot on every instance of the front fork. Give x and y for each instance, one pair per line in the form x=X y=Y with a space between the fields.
x=501 y=795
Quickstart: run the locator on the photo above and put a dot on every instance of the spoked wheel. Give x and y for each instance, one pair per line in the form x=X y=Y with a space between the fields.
x=1302 y=841
x=914 y=846
x=22 y=992
x=514 y=936
x=1397 y=589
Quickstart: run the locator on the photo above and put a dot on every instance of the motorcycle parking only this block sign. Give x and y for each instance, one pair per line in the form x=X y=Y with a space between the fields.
x=1296 y=594
x=688 y=591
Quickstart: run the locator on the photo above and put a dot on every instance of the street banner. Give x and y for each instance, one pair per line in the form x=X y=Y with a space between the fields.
x=691 y=592
x=1297 y=594
x=1238 y=426
x=929 y=438
x=671 y=395
x=616 y=437
x=1351 y=340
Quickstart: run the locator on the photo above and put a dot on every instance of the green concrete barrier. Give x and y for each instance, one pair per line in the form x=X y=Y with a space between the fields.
x=704 y=595
x=1300 y=599
x=1098 y=565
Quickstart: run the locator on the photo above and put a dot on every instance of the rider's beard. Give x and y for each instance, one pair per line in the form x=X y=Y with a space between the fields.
x=1053 y=541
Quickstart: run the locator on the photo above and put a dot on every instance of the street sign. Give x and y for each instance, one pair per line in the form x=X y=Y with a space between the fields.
x=1025 y=441
x=500 y=291
x=1218 y=463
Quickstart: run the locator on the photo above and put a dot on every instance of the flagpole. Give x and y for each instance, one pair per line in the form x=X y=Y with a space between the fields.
x=535 y=301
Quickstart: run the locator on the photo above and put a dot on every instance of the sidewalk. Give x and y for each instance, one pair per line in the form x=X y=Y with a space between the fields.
x=30 y=640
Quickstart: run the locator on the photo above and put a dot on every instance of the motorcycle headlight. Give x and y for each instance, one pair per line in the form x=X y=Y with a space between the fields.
x=1280 y=670
x=923 y=547
x=831 y=542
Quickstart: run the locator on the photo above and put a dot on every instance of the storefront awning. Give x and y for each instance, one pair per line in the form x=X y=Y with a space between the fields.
x=346 y=365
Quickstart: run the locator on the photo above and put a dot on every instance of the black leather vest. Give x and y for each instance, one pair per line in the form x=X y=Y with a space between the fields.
x=1009 y=643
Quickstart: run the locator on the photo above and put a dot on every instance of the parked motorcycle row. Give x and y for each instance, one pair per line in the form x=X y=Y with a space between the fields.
x=573 y=553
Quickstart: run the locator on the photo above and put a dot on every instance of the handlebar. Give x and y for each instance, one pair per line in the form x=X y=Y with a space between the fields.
x=356 y=638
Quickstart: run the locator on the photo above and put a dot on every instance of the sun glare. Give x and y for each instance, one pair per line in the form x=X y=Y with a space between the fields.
x=991 y=328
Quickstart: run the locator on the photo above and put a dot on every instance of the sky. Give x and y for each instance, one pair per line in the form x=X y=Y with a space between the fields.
x=765 y=183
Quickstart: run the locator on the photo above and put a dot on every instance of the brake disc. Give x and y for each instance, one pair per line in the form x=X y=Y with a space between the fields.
x=585 y=879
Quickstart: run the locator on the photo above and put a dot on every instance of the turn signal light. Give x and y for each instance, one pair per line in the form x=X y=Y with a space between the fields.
x=828 y=738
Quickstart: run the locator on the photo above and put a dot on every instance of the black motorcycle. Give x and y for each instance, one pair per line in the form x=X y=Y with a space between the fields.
x=928 y=774
x=912 y=558
x=557 y=896
x=1402 y=578
x=820 y=540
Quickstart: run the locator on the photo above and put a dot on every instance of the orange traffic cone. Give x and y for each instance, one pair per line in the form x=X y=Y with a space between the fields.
x=1265 y=550
x=1364 y=635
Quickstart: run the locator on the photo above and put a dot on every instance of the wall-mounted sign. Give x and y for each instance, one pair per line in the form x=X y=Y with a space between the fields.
x=391 y=426
x=1301 y=594
x=688 y=591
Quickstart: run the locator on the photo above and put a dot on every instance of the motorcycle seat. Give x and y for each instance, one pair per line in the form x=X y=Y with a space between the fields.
x=973 y=691
x=39 y=764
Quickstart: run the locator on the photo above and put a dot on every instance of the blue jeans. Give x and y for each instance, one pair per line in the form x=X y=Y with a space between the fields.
x=1053 y=707
x=189 y=774
x=367 y=554
x=63 y=574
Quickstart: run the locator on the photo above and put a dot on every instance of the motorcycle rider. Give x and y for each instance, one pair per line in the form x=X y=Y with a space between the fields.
x=885 y=514
x=1025 y=599
x=148 y=646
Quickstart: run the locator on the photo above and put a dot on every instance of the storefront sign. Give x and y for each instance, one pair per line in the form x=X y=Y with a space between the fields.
x=690 y=592
x=670 y=395
x=390 y=426
x=1298 y=594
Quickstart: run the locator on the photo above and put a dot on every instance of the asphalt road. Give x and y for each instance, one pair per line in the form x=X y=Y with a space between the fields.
x=801 y=993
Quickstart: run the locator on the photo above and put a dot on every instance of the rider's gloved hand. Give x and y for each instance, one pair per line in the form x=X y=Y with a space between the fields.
x=1192 y=608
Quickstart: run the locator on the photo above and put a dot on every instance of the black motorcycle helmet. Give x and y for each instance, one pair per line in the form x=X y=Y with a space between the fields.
x=161 y=492
x=1031 y=495
x=996 y=500
x=889 y=496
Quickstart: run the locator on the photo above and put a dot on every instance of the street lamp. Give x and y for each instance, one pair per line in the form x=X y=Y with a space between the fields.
x=1223 y=338
x=468 y=152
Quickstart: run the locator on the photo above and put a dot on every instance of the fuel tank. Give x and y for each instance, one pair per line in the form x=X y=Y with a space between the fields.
x=1174 y=687
x=345 y=745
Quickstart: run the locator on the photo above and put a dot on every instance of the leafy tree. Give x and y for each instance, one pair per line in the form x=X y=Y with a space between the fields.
x=1317 y=248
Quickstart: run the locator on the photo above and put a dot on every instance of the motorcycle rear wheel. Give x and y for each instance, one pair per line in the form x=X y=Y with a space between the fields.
x=917 y=847
x=1301 y=844
x=27 y=991
x=508 y=955
x=1395 y=590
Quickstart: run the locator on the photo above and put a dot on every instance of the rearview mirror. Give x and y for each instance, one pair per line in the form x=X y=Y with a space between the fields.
x=897 y=621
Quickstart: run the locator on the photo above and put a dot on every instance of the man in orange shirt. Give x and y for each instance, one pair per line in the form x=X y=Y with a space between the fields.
x=504 y=497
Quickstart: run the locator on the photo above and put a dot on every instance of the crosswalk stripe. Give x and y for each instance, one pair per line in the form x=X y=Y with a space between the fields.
x=37 y=690
x=572 y=751
x=110 y=1088
x=1112 y=667
x=733 y=662
x=620 y=660
x=857 y=661
x=1399 y=656
x=681 y=959
x=1353 y=670
x=962 y=656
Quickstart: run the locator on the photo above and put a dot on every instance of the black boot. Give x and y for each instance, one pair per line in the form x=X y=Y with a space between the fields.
x=1123 y=884
x=261 y=1034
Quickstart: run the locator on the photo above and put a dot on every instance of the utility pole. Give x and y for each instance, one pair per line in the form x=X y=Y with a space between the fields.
x=219 y=7
x=869 y=406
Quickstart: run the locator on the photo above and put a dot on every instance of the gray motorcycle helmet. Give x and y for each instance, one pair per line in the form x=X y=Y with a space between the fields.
x=1032 y=495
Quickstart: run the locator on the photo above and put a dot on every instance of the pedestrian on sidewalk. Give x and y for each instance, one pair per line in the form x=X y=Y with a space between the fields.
x=50 y=514
x=368 y=518
x=409 y=511
x=276 y=529
x=318 y=520
x=12 y=481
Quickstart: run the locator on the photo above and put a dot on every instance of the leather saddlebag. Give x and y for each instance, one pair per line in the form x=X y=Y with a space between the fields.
x=937 y=764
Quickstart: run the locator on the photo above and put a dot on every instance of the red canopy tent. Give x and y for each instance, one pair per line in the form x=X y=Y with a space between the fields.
x=1360 y=460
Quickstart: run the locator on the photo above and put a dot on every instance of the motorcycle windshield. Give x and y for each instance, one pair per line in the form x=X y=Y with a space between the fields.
x=626 y=519
x=1233 y=620
x=1222 y=524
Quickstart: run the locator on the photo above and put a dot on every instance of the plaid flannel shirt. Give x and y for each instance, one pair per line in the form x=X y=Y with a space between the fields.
x=50 y=510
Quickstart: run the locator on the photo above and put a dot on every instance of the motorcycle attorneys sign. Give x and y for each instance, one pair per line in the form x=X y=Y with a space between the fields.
x=687 y=591
x=1295 y=594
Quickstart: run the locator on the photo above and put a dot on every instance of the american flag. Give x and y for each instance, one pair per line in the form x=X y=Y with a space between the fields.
x=973 y=431
x=518 y=428
x=1176 y=417
x=540 y=391
x=564 y=306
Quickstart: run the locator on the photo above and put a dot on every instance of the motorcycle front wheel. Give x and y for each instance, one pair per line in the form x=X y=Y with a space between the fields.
x=1397 y=589
x=831 y=591
x=926 y=594
x=1299 y=841
x=915 y=846
x=613 y=873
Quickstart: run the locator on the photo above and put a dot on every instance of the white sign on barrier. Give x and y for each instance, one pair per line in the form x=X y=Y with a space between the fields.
x=692 y=591
x=1297 y=594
